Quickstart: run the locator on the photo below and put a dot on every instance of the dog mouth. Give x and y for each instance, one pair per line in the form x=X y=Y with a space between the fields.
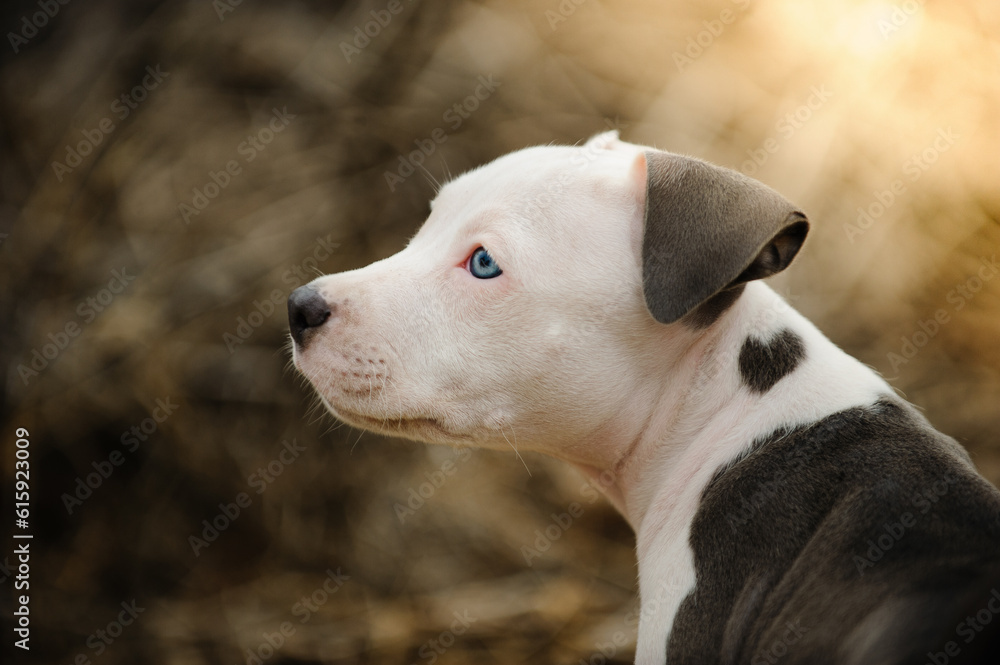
x=360 y=380
x=419 y=427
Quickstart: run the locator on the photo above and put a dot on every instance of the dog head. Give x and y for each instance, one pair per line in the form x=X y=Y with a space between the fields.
x=541 y=287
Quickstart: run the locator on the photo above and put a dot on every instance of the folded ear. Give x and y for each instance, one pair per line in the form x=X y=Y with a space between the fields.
x=708 y=230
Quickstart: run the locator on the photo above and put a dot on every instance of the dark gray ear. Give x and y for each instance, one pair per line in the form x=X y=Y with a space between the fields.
x=709 y=230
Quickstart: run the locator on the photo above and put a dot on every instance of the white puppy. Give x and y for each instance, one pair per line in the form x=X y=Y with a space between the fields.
x=600 y=304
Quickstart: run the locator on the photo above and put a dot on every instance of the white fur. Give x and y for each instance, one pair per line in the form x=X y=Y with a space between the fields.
x=722 y=421
x=559 y=354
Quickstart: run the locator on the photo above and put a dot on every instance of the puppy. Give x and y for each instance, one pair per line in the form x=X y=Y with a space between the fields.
x=603 y=304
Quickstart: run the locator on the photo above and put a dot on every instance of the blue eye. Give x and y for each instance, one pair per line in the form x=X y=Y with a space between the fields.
x=482 y=265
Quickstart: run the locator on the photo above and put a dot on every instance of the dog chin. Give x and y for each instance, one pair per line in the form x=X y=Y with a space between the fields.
x=430 y=430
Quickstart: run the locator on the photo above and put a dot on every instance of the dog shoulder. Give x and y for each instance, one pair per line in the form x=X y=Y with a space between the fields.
x=820 y=520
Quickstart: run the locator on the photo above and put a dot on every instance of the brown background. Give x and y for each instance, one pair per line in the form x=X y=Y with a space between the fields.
x=883 y=82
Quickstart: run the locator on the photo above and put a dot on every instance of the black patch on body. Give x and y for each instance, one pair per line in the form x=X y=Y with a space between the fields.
x=781 y=537
x=763 y=364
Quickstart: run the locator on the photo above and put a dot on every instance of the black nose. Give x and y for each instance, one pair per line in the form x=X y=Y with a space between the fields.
x=306 y=309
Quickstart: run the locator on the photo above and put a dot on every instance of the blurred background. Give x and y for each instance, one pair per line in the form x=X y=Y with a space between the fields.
x=170 y=171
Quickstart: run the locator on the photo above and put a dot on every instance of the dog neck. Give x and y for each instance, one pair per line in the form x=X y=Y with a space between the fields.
x=709 y=412
x=704 y=414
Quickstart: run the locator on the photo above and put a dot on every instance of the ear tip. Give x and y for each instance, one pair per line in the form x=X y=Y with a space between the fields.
x=797 y=224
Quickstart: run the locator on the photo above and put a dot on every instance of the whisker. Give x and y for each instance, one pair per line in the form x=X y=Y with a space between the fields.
x=430 y=178
x=360 y=434
x=399 y=402
x=447 y=171
x=385 y=420
x=517 y=454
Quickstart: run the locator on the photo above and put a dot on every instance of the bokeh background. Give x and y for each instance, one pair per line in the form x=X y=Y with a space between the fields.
x=881 y=119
